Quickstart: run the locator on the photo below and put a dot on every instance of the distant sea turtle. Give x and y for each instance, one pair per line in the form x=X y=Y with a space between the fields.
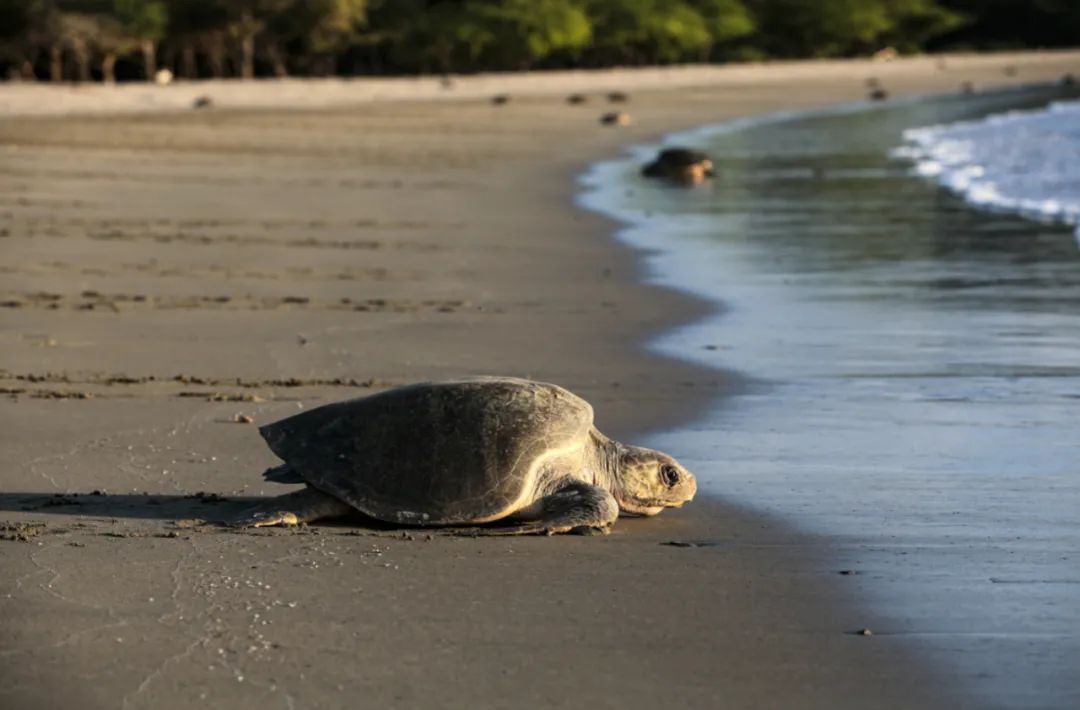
x=465 y=452
x=877 y=92
x=616 y=118
x=682 y=165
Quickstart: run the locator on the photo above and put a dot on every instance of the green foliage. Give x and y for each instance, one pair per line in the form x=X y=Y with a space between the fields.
x=318 y=26
x=831 y=28
x=648 y=30
x=725 y=20
x=521 y=32
x=820 y=28
x=916 y=22
x=145 y=19
x=250 y=37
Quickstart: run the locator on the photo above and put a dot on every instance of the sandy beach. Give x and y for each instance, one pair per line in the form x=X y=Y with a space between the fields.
x=169 y=272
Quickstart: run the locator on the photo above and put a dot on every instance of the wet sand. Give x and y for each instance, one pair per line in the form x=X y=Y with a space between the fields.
x=166 y=275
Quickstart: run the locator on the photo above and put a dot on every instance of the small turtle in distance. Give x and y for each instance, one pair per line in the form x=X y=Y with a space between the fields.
x=680 y=165
x=876 y=92
x=519 y=454
x=616 y=118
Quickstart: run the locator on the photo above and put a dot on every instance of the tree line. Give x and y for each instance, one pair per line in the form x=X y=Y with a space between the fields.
x=88 y=40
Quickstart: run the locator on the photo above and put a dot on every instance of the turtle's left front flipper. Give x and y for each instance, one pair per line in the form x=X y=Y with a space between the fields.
x=578 y=508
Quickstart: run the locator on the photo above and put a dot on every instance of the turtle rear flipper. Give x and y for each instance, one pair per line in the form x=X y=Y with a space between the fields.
x=283 y=474
x=296 y=508
x=578 y=508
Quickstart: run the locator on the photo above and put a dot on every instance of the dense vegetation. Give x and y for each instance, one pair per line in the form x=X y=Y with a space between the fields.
x=130 y=39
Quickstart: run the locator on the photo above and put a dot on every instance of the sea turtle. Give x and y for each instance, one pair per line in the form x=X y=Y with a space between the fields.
x=683 y=165
x=616 y=118
x=465 y=452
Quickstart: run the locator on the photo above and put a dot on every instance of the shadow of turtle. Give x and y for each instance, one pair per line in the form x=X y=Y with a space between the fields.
x=100 y=504
x=210 y=508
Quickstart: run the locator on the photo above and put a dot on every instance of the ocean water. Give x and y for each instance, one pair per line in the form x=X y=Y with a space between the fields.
x=914 y=366
x=1024 y=162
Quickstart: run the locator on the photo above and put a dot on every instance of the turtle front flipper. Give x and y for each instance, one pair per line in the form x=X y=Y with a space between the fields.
x=578 y=508
x=296 y=508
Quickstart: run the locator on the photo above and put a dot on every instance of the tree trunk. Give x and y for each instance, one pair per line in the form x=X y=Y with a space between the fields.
x=216 y=58
x=247 y=56
x=278 y=61
x=108 y=68
x=56 y=63
x=82 y=61
x=149 y=53
x=188 y=68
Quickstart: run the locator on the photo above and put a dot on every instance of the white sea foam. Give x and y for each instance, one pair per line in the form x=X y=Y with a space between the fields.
x=1024 y=162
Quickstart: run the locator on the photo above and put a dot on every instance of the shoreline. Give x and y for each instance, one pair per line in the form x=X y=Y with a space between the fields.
x=802 y=319
x=472 y=207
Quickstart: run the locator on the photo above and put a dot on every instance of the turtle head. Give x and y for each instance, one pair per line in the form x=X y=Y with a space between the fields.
x=649 y=481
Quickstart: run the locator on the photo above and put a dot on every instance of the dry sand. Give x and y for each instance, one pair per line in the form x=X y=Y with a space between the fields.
x=166 y=272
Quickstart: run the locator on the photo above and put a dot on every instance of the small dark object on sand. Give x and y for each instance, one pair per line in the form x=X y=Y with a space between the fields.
x=574 y=99
x=500 y=99
x=616 y=118
x=686 y=543
x=878 y=94
x=202 y=102
x=1068 y=80
x=1010 y=70
x=967 y=88
x=617 y=97
x=681 y=165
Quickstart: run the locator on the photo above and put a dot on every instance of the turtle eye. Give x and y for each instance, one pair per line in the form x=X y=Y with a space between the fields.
x=669 y=475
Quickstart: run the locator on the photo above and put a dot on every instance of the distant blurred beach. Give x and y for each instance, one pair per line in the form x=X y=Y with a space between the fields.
x=927 y=72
